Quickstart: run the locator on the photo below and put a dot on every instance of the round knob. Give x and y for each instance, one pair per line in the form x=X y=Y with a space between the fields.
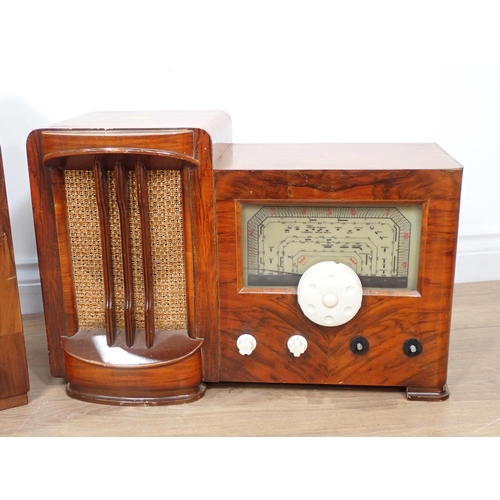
x=330 y=294
x=297 y=345
x=246 y=344
x=412 y=347
x=359 y=345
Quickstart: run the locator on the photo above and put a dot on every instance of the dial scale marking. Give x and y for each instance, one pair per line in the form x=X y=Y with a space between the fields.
x=377 y=242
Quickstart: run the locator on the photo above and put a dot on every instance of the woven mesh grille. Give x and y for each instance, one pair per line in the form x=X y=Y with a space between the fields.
x=167 y=242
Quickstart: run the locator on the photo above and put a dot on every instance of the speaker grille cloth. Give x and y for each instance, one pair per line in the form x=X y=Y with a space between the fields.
x=167 y=242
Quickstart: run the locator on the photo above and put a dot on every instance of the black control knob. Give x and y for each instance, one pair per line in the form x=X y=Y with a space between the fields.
x=412 y=348
x=359 y=345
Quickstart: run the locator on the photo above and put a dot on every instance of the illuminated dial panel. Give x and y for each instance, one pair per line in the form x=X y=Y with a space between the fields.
x=380 y=243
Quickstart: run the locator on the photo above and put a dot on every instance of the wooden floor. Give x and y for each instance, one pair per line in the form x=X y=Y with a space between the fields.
x=473 y=408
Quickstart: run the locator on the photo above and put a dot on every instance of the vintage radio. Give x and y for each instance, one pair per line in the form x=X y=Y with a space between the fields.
x=171 y=258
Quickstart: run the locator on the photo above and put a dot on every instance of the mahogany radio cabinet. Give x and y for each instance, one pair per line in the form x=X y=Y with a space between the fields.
x=171 y=258
x=14 y=380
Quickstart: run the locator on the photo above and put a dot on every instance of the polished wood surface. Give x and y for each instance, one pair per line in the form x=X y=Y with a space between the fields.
x=14 y=381
x=387 y=318
x=216 y=124
x=232 y=409
x=147 y=264
x=122 y=199
x=116 y=143
x=101 y=188
x=342 y=156
x=168 y=373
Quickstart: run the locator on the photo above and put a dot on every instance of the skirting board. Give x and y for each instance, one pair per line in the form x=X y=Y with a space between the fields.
x=478 y=257
x=30 y=292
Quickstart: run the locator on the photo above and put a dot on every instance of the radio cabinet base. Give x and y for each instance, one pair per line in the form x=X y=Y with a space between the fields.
x=13 y=401
x=427 y=393
x=169 y=373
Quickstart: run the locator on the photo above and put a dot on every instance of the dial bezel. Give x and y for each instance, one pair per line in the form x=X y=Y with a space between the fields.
x=360 y=216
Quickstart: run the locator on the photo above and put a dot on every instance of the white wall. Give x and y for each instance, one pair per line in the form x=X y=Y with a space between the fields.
x=315 y=71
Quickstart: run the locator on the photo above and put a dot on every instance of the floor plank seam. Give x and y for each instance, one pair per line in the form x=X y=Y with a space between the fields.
x=34 y=412
x=484 y=427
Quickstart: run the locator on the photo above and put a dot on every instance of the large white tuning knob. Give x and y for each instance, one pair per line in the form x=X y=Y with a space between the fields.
x=330 y=294
x=297 y=345
x=246 y=344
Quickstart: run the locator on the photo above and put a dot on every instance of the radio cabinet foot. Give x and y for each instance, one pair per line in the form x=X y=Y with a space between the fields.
x=168 y=373
x=427 y=393
x=13 y=401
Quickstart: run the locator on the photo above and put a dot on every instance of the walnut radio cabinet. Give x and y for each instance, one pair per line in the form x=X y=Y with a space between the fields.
x=171 y=258
x=14 y=380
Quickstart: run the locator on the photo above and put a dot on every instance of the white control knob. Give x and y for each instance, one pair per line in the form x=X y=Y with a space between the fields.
x=297 y=345
x=330 y=294
x=246 y=344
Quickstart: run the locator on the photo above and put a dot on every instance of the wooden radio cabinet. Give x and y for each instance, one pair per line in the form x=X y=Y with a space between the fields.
x=171 y=258
x=14 y=380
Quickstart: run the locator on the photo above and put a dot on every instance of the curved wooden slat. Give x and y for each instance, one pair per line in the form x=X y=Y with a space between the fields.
x=141 y=177
x=122 y=201
x=101 y=187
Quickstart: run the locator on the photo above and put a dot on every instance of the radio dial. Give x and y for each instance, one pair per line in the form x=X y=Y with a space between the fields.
x=330 y=294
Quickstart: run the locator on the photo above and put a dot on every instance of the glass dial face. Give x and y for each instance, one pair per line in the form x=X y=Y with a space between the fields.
x=380 y=243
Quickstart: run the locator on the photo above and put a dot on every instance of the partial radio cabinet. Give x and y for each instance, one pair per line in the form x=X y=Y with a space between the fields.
x=14 y=382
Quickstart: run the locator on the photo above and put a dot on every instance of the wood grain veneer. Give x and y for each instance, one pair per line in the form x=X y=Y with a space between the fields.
x=14 y=380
